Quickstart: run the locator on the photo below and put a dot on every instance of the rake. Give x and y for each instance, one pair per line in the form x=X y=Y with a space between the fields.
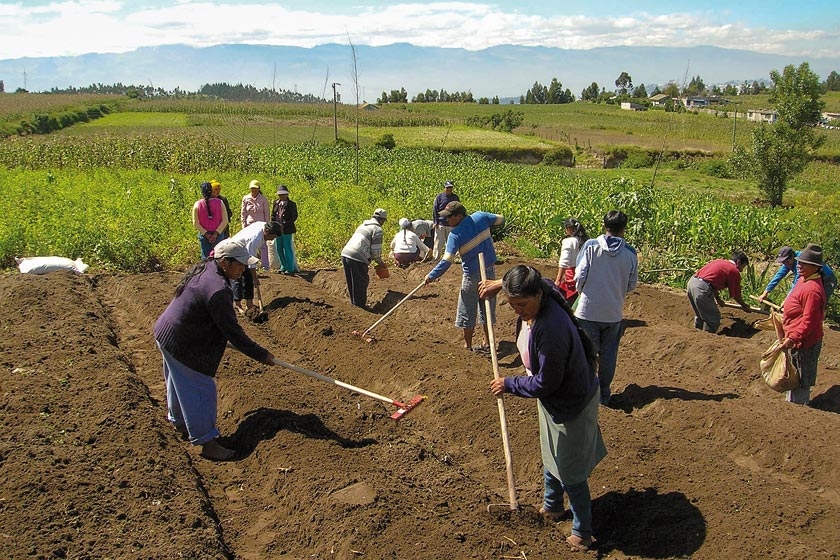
x=402 y=408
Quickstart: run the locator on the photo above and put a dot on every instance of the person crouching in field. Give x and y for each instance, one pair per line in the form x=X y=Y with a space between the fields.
x=703 y=288
x=559 y=361
x=210 y=219
x=804 y=313
x=254 y=238
x=569 y=250
x=407 y=247
x=192 y=334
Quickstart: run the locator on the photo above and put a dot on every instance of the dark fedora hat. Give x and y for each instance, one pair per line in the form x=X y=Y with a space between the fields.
x=812 y=254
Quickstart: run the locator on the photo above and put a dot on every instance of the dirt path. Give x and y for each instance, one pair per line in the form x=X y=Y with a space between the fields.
x=704 y=461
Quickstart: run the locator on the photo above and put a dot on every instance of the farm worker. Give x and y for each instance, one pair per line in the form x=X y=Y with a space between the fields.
x=703 y=288
x=217 y=193
x=210 y=219
x=424 y=229
x=192 y=334
x=569 y=250
x=804 y=313
x=470 y=236
x=559 y=361
x=253 y=238
x=606 y=271
x=285 y=213
x=407 y=247
x=364 y=246
x=787 y=258
x=255 y=208
x=442 y=227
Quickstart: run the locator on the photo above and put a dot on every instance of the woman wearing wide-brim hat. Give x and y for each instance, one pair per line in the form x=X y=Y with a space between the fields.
x=804 y=313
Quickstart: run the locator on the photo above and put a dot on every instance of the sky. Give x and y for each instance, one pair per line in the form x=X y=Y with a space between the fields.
x=38 y=28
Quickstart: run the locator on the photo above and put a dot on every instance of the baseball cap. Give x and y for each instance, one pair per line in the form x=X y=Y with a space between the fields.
x=231 y=249
x=453 y=207
x=785 y=253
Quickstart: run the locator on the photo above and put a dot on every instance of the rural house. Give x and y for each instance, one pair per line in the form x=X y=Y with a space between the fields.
x=628 y=106
x=762 y=115
x=659 y=100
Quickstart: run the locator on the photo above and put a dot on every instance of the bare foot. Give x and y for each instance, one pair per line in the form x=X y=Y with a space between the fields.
x=215 y=452
x=553 y=516
x=580 y=544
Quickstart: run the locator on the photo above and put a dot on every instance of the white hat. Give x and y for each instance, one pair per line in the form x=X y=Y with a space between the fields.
x=405 y=223
x=231 y=249
x=380 y=213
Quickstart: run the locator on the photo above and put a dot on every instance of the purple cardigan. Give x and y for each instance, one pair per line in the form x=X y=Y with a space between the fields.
x=198 y=323
x=562 y=378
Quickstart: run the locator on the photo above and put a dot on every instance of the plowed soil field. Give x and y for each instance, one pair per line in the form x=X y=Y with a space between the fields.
x=704 y=460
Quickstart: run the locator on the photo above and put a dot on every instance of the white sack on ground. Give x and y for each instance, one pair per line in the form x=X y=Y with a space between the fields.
x=44 y=265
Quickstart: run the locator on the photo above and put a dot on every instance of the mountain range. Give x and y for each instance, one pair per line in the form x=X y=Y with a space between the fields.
x=504 y=71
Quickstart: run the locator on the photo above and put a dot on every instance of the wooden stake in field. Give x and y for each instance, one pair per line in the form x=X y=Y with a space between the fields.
x=514 y=505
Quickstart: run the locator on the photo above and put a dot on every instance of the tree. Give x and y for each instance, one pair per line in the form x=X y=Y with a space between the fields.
x=796 y=95
x=695 y=86
x=2 y=87
x=624 y=82
x=590 y=93
x=671 y=89
x=832 y=83
x=640 y=92
x=555 y=92
x=780 y=151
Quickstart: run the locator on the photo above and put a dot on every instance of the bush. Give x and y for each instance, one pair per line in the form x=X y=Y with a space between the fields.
x=559 y=156
x=716 y=168
x=387 y=141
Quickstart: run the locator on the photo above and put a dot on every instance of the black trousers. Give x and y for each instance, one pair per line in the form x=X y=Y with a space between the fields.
x=244 y=288
x=357 y=275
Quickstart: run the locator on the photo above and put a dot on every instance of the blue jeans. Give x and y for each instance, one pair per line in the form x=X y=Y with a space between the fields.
x=605 y=337
x=580 y=502
x=206 y=246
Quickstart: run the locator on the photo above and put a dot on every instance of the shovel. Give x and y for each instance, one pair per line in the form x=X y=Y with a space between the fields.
x=364 y=334
x=514 y=505
x=402 y=408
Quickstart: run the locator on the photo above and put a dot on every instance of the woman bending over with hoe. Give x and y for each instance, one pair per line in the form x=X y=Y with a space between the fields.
x=192 y=334
x=559 y=364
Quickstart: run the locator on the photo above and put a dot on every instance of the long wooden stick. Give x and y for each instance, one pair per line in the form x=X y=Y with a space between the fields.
x=736 y=306
x=411 y=293
x=768 y=303
x=514 y=505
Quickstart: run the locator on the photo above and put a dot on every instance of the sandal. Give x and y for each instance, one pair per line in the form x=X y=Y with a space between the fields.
x=579 y=544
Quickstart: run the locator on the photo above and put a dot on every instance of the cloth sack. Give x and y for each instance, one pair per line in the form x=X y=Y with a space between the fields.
x=45 y=265
x=777 y=369
x=769 y=323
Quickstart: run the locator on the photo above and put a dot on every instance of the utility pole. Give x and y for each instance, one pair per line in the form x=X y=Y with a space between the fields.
x=335 y=111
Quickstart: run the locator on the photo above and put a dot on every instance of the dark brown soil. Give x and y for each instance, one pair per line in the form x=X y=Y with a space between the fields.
x=704 y=460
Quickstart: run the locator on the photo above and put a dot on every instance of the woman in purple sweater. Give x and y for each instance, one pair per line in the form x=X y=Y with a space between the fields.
x=559 y=362
x=192 y=334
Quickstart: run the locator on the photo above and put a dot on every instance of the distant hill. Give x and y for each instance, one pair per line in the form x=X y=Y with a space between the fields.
x=504 y=71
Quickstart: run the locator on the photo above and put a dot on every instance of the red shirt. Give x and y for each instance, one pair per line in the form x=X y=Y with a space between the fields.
x=804 y=312
x=722 y=273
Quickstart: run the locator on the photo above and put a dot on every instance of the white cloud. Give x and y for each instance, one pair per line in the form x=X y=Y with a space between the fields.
x=77 y=27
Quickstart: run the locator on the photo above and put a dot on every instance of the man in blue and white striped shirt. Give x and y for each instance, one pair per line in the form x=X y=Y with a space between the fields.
x=470 y=236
